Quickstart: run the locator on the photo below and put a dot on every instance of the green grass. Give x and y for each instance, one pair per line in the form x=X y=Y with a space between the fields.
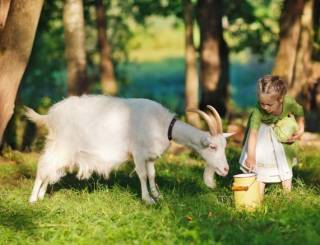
x=99 y=211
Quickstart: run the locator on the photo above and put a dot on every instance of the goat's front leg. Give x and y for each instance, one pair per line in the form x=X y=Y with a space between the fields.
x=208 y=177
x=151 y=177
x=141 y=170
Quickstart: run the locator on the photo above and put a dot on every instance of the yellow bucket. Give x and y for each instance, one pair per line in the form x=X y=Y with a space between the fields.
x=246 y=191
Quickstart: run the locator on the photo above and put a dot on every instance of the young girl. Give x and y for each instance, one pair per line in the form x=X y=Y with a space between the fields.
x=262 y=153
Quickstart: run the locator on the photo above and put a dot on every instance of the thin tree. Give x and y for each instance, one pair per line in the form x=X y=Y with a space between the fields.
x=214 y=64
x=107 y=77
x=315 y=89
x=302 y=76
x=75 y=47
x=191 y=73
x=294 y=58
x=16 y=39
x=290 y=28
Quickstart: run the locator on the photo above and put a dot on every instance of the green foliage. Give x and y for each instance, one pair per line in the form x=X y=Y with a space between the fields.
x=145 y=8
x=46 y=74
x=134 y=26
x=254 y=25
x=98 y=211
x=148 y=50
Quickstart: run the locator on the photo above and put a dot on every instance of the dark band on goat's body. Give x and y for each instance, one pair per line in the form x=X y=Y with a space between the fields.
x=170 y=128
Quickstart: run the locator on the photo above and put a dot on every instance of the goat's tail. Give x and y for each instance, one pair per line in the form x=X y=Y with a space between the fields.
x=38 y=119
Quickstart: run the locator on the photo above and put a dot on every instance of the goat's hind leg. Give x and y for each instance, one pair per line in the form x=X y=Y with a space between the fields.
x=36 y=188
x=47 y=172
x=40 y=184
x=39 y=188
x=43 y=189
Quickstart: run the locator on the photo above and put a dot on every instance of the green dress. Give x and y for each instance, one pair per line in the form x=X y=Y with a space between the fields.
x=290 y=107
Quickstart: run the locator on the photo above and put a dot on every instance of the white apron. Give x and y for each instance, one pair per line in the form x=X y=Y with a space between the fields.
x=271 y=161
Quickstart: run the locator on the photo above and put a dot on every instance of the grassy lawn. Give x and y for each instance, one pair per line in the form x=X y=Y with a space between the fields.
x=99 y=211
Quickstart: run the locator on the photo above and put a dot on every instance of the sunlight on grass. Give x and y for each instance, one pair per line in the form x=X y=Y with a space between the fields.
x=162 y=39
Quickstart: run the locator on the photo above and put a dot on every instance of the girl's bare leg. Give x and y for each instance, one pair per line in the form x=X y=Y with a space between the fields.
x=261 y=187
x=287 y=185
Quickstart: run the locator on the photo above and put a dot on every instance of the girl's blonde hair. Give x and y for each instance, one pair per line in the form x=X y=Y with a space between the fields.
x=272 y=85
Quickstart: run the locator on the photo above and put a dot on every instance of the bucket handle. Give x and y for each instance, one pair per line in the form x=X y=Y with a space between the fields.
x=242 y=188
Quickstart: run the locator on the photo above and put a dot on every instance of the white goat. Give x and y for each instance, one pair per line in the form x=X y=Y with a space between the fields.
x=96 y=133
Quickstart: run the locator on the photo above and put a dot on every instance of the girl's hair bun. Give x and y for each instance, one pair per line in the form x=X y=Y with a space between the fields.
x=272 y=84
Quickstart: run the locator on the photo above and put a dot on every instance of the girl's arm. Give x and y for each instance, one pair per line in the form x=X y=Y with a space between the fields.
x=300 y=130
x=252 y=143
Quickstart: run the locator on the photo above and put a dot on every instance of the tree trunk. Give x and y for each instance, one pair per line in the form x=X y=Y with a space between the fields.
x=16 y=39
x=316 y=28
x=295 y=56
x=302 y=76
x=315 y=88
x=75 y=47
x=108 y=82
x=4 y=10
x=191 y=73
x=213 y=56
x=290 y=25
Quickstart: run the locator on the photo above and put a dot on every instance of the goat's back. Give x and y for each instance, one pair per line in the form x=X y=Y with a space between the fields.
x=108 y=124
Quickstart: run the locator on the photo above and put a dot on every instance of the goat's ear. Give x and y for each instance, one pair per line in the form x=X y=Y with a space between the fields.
x=205 y=142
x=227 y=135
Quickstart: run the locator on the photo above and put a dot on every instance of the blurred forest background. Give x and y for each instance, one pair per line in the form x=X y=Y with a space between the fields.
x=181 y=53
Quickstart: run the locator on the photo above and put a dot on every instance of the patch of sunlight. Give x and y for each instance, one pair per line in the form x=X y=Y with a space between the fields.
x=160 y=39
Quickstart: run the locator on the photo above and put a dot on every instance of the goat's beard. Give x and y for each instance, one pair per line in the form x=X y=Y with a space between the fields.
x=208 y=177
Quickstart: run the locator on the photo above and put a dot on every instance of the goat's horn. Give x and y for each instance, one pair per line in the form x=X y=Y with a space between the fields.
x=217 y=117
x=208 y=120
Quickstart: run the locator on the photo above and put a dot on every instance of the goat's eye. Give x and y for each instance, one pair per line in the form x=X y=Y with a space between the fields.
x=213 y=147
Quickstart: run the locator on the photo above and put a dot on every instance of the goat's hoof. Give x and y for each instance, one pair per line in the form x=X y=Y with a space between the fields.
x=157 y=196
x=32 y=200
x=41 y=197
x=149 y=201
x=211 y=185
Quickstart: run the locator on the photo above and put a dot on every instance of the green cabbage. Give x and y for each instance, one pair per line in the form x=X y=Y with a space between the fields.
x=285 y=128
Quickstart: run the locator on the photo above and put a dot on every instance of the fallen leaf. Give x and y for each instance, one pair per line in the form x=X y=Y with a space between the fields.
x=189 y=218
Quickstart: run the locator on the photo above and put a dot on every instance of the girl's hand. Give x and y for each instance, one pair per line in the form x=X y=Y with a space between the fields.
x=299 y=133
x=296 y=136
x=250 y=163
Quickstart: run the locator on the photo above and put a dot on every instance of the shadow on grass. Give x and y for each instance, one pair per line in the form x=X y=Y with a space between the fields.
x=95 y=182
x=310 y=176
x=19 y=219
x=186 y=181
x=170 y=177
